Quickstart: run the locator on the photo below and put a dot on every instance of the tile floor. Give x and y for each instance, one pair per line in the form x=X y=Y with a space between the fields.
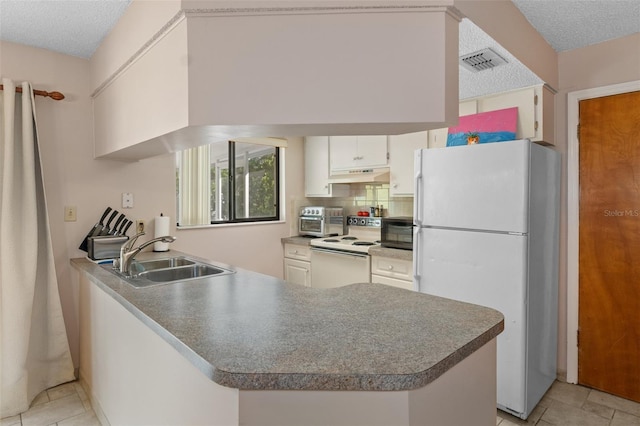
x=563 y=405
x=572 y=405
x=64 y=405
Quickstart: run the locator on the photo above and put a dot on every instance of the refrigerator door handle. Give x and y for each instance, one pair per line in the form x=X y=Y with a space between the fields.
x=417 y=207
x=416 y=258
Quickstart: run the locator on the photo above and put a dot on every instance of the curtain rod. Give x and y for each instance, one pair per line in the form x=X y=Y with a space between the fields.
x=53 y=95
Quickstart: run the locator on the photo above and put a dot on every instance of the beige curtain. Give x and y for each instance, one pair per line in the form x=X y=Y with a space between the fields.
x=34 y=348
x=195 y=190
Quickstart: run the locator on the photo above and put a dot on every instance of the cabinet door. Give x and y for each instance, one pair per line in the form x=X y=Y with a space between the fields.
x=372 y=151
x=297 y=272
x=401 y=152
x=316 y=166
x=525 y=101
x=343 y=152
x=357 y=152
x=438 y=137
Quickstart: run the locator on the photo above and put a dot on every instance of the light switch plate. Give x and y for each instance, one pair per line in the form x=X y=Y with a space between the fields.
x=127 y=200
x=70 y=213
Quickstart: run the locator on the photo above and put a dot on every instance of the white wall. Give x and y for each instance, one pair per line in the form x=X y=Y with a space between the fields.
x=73 y=177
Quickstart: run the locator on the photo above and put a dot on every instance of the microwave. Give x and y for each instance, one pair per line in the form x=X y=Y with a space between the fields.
x=321 y=221
x=397 y=232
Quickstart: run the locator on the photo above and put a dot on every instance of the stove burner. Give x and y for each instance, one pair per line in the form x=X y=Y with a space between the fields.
x=363 y=243
x=331 y=240
x=349 y=238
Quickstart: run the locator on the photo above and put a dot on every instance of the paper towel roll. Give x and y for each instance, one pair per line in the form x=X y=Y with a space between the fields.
x=161 y=228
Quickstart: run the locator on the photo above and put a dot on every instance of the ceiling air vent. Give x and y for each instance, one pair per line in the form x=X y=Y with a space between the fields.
x=481 y=60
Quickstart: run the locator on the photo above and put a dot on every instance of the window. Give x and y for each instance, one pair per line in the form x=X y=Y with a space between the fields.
x=228 y=182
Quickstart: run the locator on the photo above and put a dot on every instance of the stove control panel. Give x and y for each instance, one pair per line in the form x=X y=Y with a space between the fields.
x=372 y=222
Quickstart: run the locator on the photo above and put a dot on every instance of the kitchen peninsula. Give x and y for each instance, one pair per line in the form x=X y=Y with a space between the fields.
x=250 y=349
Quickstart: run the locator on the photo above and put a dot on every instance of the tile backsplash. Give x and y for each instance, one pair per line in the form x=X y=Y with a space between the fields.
x=361 y=197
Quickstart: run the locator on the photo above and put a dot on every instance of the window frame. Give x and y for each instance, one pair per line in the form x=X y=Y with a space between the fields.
x=231 y=164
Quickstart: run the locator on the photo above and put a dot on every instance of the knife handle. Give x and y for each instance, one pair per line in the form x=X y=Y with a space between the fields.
x=113 y=230
x=122 y=225
x=105 y=228
x=126 y=228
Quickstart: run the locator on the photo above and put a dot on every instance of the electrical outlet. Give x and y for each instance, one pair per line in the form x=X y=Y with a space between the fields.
x=139 y=226
x=70 y=213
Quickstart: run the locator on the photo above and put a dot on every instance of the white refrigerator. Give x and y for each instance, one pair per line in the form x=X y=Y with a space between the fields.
x=486 y=221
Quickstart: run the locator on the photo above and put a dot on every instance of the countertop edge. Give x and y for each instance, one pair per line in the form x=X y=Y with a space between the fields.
x=354 y=382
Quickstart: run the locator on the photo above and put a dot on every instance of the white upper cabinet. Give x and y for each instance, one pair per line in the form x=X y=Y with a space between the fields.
x=438 y=137
x=401 y=151
x=535 y=111
x=316 y=166
x=357 y=152
x=316 y=169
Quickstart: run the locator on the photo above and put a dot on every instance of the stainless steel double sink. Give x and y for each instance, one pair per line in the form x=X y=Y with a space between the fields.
x=148 y=273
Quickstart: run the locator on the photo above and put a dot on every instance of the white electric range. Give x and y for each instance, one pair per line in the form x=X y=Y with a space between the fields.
x=344 y=259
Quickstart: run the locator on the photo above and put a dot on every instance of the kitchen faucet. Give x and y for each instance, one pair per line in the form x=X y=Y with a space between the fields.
x=128 y=253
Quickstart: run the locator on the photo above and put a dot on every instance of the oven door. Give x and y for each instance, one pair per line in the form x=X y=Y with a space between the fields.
x=313 y=226
x=331 y=268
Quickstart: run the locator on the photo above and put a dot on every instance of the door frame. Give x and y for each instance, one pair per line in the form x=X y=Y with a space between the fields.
x=573 y=211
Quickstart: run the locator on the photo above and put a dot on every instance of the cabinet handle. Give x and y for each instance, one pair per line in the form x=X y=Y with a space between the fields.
x=326 y=186
x=295 y=252
x=390 y=267
x=395 y=185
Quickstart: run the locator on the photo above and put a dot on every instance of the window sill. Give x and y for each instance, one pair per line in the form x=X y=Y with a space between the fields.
x=229 y=225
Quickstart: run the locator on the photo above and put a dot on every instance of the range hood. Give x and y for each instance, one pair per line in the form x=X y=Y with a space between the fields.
x=371 y=175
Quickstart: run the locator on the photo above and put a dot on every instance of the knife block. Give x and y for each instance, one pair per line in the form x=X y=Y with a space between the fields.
x=105 y=247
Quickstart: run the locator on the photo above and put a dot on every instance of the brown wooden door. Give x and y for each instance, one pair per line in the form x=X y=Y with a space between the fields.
x=609 y=270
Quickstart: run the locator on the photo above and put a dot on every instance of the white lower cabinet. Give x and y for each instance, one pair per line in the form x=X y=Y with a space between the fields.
x=297 y=264
x=393 y=272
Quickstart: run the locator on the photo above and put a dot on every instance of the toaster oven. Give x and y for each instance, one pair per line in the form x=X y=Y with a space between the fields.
x=321 y=221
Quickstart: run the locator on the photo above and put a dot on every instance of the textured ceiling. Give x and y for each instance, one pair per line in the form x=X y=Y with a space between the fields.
x=76 y=27
x=570 y=24
x=512 y=75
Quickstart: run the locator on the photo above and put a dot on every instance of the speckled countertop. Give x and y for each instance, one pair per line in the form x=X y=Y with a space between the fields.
x=252 y=331
x=299 y=240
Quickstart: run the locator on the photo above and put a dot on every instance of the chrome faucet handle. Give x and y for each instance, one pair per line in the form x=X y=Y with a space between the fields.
x=129 y=244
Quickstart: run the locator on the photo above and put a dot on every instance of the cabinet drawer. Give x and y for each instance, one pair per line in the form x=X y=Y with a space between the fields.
x=392 y=268
x=394 y=282
x=297 y=272
x=294 y=251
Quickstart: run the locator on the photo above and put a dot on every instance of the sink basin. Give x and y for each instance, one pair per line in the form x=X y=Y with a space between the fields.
x=181 y=273
x=150 y=265
x=150 y=273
